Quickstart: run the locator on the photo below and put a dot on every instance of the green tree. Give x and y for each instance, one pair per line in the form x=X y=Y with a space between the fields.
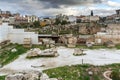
x=64 y=22
x=36 y=24
x=57 y=21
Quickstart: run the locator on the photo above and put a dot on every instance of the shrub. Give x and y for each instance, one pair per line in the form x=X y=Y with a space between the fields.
x=115 y=75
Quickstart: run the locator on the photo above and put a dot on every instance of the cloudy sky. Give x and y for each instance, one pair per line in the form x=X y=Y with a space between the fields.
x=53 y=7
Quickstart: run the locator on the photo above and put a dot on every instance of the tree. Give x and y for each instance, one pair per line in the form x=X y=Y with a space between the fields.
x=57 y=21
x=64 y=22
x=36 y=24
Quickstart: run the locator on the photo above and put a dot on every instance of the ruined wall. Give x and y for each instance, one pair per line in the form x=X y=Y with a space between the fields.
x=89 y=28
x=112 y=33
x=104 y=38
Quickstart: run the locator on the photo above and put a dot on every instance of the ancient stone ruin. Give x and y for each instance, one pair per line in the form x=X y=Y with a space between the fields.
x=78 y=52
x=31 y=75
x=27 y=42
x=33 y=52
x=72 y=41
x=36 y=52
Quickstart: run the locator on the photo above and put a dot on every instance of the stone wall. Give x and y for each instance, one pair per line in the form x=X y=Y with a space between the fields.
x=104 y=38
x=112 y=34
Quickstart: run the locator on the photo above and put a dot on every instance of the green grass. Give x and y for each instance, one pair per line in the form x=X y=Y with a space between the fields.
x=96 y=47
x=2 y=77
x=92 y=47
x=7 y=56
x=80 y=72
x=117 y=46
x=42 y=47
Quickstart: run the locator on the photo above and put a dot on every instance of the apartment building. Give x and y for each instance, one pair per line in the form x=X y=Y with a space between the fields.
x=32 y=18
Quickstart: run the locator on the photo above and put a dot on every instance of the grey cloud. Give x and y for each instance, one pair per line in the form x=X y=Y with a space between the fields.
x=58 y=3
x=104 y=12
x=46 y=4
x=50 y=7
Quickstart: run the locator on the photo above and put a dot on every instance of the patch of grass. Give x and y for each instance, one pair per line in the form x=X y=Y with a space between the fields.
x=2 y=77
x=42 y=47
x=80 y=72
x=98 y=47
x=92 y=47
x=7 y=56
x=81 y=46
x=117 y=46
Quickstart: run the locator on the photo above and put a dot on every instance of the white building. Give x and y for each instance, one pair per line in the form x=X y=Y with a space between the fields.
x=16 y=35
x=32 y=18
x=90 y=18
x=5 y=19
x=72 y=19
x=94 y=18
x=11 y=20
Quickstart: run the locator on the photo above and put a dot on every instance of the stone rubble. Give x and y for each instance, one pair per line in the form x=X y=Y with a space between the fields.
x=14 y=50
x=31 y=75
x=34 y=52
x=42 y=53
x=78 y=51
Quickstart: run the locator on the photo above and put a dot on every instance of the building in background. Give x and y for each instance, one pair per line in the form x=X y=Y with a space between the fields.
x=72 y=19
x=11 y=20
x=32 y=18
x=5 y=14
x=88 y=19
x=94 y=18
x=21 y=19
